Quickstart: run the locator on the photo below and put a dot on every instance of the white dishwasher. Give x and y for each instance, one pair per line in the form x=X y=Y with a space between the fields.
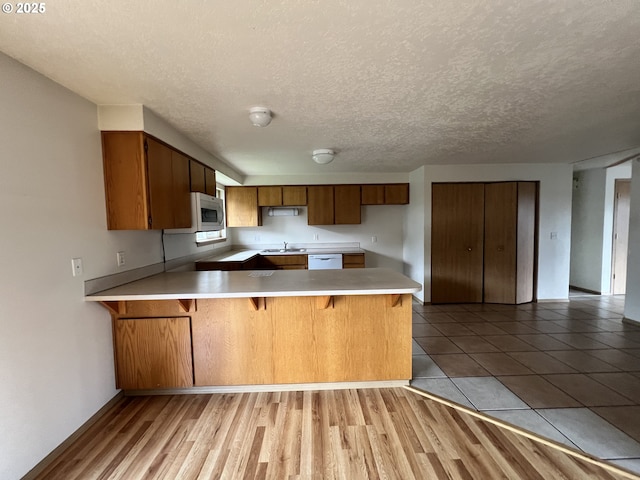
x=325 y=262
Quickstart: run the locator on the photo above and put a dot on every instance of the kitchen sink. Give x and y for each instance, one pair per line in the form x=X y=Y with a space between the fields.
x=283 y=250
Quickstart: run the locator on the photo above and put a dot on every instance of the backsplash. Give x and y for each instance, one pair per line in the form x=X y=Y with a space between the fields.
x=384 y=223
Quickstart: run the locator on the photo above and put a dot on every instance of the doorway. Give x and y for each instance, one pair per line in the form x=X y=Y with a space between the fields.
x=620 y=236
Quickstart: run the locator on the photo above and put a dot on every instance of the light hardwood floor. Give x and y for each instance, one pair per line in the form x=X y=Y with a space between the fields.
x=341 y=434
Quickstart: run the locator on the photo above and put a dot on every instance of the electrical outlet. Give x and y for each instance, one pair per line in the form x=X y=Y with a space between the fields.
x=374 y=239
x=315 y=236
x=76 y=267
x=256 y=238
x=120 y=260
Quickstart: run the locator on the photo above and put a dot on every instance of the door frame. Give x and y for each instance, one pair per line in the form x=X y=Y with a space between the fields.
x=614 y=250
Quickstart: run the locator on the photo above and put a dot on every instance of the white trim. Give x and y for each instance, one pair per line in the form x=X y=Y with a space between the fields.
x=288 y=387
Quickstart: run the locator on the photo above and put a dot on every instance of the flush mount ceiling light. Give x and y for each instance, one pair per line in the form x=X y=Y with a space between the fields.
x=323 y=155
x=260 y=116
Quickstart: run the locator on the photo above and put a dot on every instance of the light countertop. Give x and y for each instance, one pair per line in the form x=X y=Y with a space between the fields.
x=261 y=283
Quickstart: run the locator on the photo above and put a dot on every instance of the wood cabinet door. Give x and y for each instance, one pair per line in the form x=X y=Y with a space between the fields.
x=283 y=262
x=197 y=176
x=396 y=194
x=269 y=196
x=320 y=205
x=210 y=181
x=457 y=242
x=372 y=194
x=153 y=353
x=181 y=199
x=353 y=260
x=242 y=207
x=125 y=180
x=347 y=204
x=294 y=196
x=160 y=173
x=500 y=234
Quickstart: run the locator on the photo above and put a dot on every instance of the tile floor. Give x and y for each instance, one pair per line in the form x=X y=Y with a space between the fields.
x=568 y=371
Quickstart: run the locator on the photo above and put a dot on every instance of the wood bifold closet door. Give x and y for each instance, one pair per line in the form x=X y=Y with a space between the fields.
x=483 y=240
x=457 y=231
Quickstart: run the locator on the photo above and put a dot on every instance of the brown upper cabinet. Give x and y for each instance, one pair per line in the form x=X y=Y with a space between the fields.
x=396 y=194
x=146 y=183
x=327 y=204
x=242 y=207
x=210 y=181
x=197 y=177
x=294 y=196
x=346 y=204
x=388 y=194
x=333 y=204
x=288 y=196
x=320 y=205
x=181 y=210
x=372 y=194
x=269 y=196
x=203 y=178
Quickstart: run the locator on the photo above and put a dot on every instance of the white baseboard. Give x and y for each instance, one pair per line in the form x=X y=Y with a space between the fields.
x=288 y=387
x=630 y=321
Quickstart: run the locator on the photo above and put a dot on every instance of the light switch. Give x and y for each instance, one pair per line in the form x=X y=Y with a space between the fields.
x=554 y=235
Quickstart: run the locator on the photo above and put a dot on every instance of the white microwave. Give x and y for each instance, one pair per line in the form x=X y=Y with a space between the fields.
x=207 y=214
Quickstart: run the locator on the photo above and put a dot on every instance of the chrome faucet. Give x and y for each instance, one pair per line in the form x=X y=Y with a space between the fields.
x=285 y=245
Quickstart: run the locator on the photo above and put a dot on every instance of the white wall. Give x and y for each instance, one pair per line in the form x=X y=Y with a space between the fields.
x=56 y=359
x=587 y=226
x=554 y=213
x=383 y=221
x=414 y=227
x=184 y=245
x=592 y=226
x=386 y=222
x=632 y=298
x=138 y=117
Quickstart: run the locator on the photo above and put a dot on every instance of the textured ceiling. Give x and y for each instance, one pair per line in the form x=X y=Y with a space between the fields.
x=391 y=85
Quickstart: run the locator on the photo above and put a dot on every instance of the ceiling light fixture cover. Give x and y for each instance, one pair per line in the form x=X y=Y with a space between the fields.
x=260 y=116
x=323 y=155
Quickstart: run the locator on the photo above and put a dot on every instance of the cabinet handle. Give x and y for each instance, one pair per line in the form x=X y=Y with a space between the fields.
x=469 y=249
x=501 y=248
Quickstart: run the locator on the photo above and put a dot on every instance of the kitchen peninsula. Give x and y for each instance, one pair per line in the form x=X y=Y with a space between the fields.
x=261 y=328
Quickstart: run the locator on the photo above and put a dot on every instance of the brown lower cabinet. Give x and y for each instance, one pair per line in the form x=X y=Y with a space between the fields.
x=483 y=242
x=276 y=262
x=257 y=341
x=153 y=353
x=353 y=260
x=283 y=262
